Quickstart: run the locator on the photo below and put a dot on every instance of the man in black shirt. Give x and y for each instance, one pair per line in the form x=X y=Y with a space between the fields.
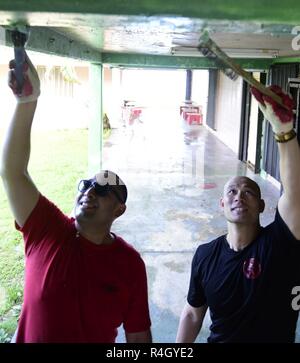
x=247 y=276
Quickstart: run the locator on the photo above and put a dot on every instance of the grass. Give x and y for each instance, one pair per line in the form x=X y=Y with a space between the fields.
x=58 y=161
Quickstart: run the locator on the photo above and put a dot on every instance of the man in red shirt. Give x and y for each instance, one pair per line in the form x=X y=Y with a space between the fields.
x=81 y=280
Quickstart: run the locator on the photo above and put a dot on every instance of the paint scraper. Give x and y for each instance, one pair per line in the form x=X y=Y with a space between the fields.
x=19 y=37
x=210 y=49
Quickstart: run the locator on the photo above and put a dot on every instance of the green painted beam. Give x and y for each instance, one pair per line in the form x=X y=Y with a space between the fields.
x=157 y=61
x=286 y=60
x=48 y=41
x=95 y=121
x=258 y=10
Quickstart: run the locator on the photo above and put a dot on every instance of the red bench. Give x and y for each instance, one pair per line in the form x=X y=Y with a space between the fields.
x=193 y=118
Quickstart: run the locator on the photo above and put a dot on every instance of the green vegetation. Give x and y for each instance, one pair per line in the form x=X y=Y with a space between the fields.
x=106 y=133
x=58 y=161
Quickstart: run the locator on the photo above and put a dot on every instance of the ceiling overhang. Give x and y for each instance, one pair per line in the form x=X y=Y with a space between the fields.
x=96 y=31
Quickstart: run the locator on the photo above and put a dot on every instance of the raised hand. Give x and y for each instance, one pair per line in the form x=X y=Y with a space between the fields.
x=280 y=118
x=31 y=87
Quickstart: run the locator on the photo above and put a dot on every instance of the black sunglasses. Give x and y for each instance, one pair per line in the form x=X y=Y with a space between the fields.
x=101 y=190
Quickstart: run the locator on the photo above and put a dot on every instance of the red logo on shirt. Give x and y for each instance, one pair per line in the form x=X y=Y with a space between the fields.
x=252 y=268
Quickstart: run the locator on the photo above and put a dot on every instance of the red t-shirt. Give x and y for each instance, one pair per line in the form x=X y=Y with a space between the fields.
x=75 y=290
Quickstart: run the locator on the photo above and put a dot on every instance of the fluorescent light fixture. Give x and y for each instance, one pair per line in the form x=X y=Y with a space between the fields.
x=252 y=53
x=231 y=52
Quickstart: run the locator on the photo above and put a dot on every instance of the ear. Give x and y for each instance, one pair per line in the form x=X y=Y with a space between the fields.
x=120 y=210
x=222 y=202
x=261 y=206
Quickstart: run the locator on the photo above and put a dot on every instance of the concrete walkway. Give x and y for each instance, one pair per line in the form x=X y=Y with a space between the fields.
x=175 y=177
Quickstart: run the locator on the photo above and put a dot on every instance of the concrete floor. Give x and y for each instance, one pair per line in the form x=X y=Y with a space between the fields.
x=175 y=176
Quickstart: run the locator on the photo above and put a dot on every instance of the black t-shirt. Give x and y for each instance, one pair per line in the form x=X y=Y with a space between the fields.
x=248 y=292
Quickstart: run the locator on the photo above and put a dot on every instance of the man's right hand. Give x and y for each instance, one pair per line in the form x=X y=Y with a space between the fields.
x=21 y=192
x=31 y=86
x=280 y=118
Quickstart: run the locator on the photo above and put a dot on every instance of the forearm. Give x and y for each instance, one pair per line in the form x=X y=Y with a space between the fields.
x=188 y=329
x=16 y=147
x=141 y=337
x=290 y=168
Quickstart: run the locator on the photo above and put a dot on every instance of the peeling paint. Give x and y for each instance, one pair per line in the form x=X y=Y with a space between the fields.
x=127 y=29
x=217 y=9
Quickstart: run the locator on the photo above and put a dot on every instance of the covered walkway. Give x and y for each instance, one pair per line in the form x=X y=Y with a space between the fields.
x=175 y=176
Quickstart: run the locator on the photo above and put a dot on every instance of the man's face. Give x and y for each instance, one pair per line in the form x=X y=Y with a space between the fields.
x=241 y=201
x=102 y=209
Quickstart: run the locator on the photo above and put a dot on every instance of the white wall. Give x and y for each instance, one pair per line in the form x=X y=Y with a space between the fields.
x=57 y=108
x=252 y=131
x=200 y=89
x=149 y=88
x=228 y=111
x=157 y=88
x=253 y=123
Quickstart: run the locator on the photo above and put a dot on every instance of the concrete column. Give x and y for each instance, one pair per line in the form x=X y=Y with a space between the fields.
x=95 y=120
x=188 y=90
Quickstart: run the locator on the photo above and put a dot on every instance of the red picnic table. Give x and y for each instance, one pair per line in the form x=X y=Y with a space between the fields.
x=130 y=112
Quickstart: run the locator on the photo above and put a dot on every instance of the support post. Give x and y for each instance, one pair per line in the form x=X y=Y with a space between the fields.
x=95 y=120
x=188 y=90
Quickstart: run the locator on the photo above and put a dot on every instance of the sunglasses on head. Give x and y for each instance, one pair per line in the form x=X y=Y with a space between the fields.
x=101 y=190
